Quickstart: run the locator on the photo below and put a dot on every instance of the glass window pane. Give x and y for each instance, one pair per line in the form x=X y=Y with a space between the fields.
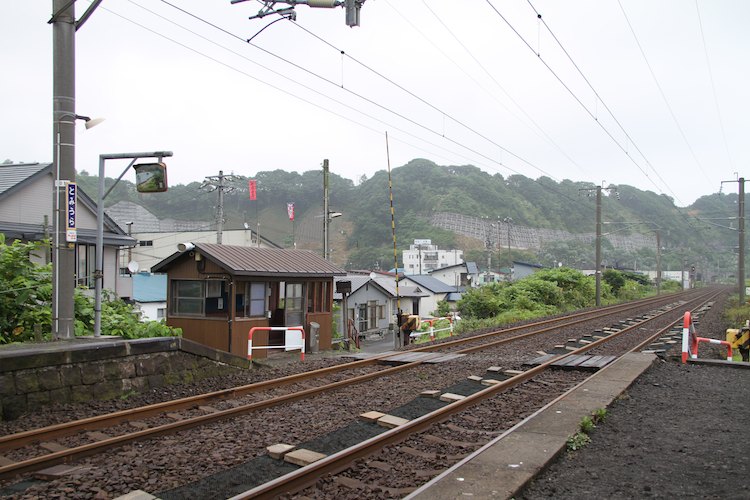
x=189 y=289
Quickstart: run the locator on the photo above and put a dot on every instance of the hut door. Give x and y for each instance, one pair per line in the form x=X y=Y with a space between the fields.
x=293 y=305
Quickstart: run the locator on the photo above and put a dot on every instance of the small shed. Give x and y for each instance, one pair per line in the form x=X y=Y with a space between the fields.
x=216 y=293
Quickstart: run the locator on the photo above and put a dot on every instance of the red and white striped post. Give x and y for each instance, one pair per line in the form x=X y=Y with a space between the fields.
x=687 y=334
x=690 y=340
x=287 y=347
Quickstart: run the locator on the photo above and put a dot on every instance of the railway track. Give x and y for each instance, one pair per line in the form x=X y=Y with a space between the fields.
x=371 y=370
x=436 y=443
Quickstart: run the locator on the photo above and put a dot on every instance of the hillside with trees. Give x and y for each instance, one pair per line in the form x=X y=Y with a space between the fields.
x=362 y=237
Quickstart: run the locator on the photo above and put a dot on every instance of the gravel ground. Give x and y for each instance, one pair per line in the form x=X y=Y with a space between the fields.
x=681 y=392
x=678 y=432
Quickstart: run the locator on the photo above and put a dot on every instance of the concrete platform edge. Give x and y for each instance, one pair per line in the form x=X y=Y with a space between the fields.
x=503 y=467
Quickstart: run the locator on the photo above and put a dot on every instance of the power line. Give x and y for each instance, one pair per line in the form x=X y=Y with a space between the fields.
x=576 y=98
x=505 y=92
x=661 y=92
x=713 y=86
x=539 y=16
x=385 y=108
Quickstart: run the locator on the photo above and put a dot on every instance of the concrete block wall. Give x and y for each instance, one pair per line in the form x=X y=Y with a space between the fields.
x=73 y=371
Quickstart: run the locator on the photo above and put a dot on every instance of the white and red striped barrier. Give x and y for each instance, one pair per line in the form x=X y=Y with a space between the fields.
x=431 y=331
x=690 y=340
x=294 y=338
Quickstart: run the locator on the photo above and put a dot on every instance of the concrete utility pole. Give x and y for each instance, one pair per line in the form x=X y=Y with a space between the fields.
x=741 y=244
x=63 y=158
x=217 y=183
x=598 y=270
x=741 y=276
x=658 y=263
x=64 y=26
x=508 y=221
x=326 y=209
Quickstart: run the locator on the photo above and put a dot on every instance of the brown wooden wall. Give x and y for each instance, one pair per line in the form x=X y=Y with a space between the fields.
x=240 y=333
x=210 y=332
x=325 y=320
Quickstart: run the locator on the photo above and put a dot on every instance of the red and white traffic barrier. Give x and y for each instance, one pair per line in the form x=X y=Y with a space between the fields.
x=294 y=338
x=690 y=340
x=432 y=331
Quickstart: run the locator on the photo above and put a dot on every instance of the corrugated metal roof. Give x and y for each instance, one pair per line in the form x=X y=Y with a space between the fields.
x=268 y=262
x=12 y=176
x=430 y=283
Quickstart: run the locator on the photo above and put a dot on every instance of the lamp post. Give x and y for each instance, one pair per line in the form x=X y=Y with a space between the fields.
x=64 y=28
x=326 y=232
x=99 y=273
x=63 y=264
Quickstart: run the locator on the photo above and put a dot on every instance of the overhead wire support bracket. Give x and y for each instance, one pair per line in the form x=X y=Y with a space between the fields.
x=352 y=8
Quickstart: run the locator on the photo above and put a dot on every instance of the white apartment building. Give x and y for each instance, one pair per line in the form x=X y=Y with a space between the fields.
x=423 y=257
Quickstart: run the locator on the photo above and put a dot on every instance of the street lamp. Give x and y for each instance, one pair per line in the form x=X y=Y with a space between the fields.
x=99 y=273
x=326 y=231
x=63 y=265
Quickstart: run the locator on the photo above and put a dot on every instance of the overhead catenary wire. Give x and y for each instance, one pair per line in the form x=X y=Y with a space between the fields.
x=427 y=128
x=385 y=108
x=661 y=92
x=543 y=185
x=244 y=73
x=573 y=94
x=544 y=133
x=713 y=85
x=578 y=100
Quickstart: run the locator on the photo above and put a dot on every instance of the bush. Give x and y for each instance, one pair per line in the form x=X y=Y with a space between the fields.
x=26 y=302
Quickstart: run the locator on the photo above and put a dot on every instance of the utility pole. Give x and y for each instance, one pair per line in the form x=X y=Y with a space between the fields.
x=325 y=209
x=508 y=221
x=658 y=263
x=741 y=204
x=741 y=244
x=217 y=183
x=598 y=270
x=598 y=258
x=63 y=118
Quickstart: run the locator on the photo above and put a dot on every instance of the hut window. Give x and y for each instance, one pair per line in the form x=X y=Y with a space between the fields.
x=255 y=305
x=86 y=264
x=188 y=297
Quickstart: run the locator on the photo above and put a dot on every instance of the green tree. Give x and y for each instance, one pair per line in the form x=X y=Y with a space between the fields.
x=26 y=301
x=25 y=291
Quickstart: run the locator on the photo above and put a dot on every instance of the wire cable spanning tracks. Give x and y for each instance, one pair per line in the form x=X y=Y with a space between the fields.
x=15 y=441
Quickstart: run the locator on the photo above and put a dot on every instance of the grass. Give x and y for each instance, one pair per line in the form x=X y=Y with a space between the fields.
x=587 y=424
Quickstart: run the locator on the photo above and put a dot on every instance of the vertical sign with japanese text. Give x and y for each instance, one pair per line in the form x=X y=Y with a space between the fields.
x=252 y=186
x=70 y=229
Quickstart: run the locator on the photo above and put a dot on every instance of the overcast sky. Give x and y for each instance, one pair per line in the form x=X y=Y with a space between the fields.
x=455 y=82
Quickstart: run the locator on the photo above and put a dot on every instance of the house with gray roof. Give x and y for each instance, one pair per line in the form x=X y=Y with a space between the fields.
x=464 y=274
x=372 y=305
x=157 y=239
x=436 y=291
x=27 y=214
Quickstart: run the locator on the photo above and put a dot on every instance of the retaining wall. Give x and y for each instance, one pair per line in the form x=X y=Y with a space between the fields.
x=33 y=375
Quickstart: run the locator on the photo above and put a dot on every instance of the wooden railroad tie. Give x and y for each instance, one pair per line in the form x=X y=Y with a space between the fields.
x=574 y=362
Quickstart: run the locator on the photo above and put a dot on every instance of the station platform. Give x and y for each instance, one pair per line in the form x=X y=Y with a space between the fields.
x=503 y=466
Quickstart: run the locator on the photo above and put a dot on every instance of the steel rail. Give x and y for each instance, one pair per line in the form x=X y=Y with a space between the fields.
x=309 y=474
x=71 y=454
x=17 y=440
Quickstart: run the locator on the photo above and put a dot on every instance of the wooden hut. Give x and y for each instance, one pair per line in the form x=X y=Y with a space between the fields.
x=216 y=293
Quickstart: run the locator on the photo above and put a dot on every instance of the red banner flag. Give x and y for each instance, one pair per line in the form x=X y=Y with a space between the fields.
x=290 y=210
x=252 y=185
